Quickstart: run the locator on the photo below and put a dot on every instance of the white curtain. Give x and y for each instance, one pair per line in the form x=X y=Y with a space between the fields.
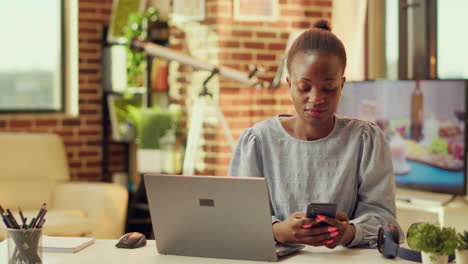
x=348 y=24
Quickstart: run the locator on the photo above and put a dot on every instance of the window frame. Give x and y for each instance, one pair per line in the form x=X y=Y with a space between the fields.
x=68 y=68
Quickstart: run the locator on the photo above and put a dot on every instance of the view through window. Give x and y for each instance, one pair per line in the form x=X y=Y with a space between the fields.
x=31 y=56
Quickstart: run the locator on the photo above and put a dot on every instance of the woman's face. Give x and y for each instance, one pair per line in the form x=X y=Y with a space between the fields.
x=315 y=83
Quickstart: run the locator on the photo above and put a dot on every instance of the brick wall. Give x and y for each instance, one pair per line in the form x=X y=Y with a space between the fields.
x=238 y=44
x=219 y=40
x=82 y=135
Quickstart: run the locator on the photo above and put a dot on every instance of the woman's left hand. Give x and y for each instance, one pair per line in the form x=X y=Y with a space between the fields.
x=345 y=230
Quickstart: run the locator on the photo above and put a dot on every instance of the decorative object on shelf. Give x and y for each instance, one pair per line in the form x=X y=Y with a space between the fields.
x=436 y=243
x=188 y=10
x=159 y=75
x=462 y=248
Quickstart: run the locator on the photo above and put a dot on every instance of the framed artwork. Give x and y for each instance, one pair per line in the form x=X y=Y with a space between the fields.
x=258 y=10
x=188 y=10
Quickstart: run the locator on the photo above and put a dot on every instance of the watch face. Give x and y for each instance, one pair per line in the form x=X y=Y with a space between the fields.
x=380 y=240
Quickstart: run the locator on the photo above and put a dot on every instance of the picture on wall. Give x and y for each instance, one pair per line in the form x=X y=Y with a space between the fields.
x=188 y=10
x=259 y=10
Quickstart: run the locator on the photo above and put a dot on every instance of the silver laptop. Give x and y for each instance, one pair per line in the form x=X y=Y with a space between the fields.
x=218 y=217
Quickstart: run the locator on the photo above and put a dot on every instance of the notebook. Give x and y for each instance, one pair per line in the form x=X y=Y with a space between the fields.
x=65 y=244
x=218 y=217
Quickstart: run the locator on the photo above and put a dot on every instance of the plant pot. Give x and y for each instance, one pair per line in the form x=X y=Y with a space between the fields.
x=431 y=258
x=149 y=161
x=461 y=256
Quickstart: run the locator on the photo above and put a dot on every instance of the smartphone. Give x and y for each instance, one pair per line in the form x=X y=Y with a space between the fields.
x=314 y=209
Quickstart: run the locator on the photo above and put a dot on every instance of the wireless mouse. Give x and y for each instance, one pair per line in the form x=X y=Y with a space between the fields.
x=131 y=240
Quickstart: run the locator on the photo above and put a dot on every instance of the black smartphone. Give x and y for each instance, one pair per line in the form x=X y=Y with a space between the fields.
x=314 y=209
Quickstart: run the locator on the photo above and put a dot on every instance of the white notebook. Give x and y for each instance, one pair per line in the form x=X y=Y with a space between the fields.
x=65 y=244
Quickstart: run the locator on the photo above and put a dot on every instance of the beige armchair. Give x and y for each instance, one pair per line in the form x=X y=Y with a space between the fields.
x=34 y=170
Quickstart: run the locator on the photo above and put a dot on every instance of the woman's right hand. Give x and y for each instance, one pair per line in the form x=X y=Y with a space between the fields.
x=298 y=228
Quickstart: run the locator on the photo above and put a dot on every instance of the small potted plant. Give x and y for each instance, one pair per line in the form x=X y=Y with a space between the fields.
x=158 y=132
x=462 y=248
x=436 y=243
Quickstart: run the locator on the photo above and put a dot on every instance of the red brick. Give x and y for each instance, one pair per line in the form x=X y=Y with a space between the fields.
x=75 y=164
x=277 y=46
x=242 y=56
x=95 y=143
x=243 y=33
x=254 y=45
x=88 y=112
x=94 y=122
x=71 y=122
x=313 y=14
x=20 y=123
x=89 y=133
x=266 y=34
x=88 y=30
x=229 y=44
x=72 y=143
x=266 y=57
x=301 y=24
x=46 y=122
x=88 y=91
x=94 y=164
x=83 y=71
x=88 y=153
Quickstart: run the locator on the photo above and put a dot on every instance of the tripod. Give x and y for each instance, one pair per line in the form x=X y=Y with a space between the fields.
x=201 y=103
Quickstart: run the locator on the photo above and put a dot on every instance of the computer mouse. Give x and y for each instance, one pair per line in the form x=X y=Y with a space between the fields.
x=131 y=240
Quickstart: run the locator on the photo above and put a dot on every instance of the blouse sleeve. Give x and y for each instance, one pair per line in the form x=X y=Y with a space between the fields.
x=376 y=189
x=246 y=160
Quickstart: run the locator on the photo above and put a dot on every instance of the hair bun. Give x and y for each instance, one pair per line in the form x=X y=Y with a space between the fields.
x=322 y=24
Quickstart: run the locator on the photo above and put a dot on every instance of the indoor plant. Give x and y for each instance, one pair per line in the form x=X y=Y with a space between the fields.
x=136 y=28
x=434 y=242
x=462 y=248
x=158 y=135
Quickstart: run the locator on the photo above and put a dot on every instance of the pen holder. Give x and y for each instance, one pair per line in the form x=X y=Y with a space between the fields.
x=24 y=246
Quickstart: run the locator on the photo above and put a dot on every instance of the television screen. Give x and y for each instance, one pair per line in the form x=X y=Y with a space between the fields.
x=424 y=123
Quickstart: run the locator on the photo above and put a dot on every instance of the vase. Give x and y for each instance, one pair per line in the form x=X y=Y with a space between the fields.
x=431 y=258
x=461 y=256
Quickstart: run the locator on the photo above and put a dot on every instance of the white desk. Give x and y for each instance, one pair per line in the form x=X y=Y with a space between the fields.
x=104 y=251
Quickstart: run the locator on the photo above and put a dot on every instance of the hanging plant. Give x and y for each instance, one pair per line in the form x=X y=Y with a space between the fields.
x=136 y=28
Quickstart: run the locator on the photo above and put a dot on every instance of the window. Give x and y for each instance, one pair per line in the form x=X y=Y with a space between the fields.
x=33 y=56
x=452 y=40
x=391 y=37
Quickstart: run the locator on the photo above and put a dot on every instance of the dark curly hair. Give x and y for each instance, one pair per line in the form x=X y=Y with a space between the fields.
x=317 y=39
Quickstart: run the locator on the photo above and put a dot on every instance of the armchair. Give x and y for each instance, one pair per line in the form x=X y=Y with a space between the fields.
x=34 y=170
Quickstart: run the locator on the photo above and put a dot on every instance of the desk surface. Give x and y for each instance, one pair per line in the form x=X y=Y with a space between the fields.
x=104 y=251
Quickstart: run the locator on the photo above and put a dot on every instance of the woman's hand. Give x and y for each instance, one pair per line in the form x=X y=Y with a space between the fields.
x=345 y=230
x=298 y=228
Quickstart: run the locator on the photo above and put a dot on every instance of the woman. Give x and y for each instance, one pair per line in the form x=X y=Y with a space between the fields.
x=318 y=156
